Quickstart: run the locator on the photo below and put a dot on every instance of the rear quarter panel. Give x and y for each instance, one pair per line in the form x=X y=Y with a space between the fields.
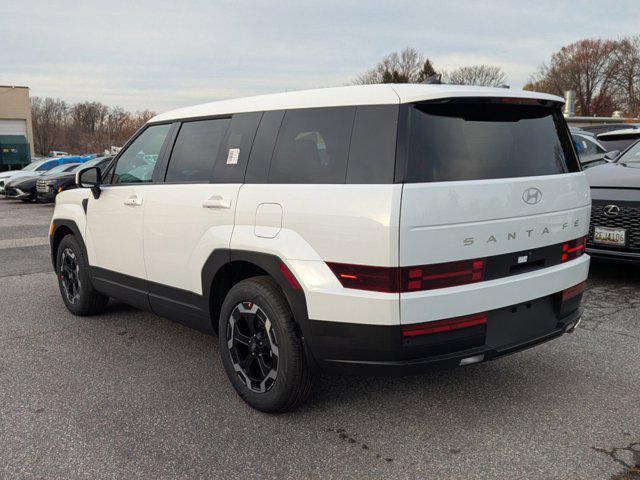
x=355 y=224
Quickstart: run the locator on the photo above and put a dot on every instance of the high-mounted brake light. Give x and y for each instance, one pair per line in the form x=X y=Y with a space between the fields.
x=520 y=101
x=447 y=325
x=409 y=279
x=573 y=249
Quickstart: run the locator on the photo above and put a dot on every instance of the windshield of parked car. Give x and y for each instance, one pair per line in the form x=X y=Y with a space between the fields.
x=58 y=169
x=586 y=146
x=631 y=158
x=618 y=142
x=90 y=163
x=32 y=166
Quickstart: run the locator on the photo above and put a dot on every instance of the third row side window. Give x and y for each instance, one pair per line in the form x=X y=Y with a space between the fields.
x=313 y=146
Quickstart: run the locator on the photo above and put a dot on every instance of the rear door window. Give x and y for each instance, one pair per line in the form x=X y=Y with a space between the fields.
x=313 y=146
x=263 y=146
x=195 y=150
x=477 y=140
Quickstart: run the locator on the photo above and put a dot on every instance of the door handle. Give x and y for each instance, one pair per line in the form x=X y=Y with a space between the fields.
x=216 y=202
x=133 y=201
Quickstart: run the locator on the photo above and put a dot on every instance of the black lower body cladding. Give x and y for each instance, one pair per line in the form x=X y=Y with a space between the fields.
x=370 y=349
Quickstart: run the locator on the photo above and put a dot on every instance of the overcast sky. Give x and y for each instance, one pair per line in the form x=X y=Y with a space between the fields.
x=158 y=55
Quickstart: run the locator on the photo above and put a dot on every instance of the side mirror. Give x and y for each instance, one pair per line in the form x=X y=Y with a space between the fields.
x=90 y=178
x=612 y=155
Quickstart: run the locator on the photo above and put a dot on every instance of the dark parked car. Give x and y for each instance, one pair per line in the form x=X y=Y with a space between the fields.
x=615 y=214
x=24 y=188
x=48 y=186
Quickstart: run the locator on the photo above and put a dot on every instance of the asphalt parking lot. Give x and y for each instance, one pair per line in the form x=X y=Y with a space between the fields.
x=130 y=395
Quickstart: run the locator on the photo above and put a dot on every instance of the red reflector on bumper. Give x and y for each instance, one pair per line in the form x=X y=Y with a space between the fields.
x=289 y=276
x=446 y=325
x=573 y=291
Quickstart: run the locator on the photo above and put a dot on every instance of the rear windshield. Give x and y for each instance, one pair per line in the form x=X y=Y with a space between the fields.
x=477 y=140
x=619 y=142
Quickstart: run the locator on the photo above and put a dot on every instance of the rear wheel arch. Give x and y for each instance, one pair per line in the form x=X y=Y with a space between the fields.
x=226 y=268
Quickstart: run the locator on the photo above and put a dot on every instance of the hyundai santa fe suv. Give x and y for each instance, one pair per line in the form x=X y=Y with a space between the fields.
x=367 y=229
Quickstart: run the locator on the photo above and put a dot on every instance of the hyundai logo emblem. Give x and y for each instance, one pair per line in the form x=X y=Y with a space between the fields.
x=532 y=196
x=611 y=210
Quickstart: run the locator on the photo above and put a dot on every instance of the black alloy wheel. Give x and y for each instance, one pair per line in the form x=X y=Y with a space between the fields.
x=253 y=346
x=69 y=275
x=261 y=347
x=74 y=279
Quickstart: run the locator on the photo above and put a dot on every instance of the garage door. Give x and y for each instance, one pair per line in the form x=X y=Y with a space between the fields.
x=13 y=127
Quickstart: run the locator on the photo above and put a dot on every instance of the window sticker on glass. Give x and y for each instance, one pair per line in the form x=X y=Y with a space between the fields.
x=232 y=157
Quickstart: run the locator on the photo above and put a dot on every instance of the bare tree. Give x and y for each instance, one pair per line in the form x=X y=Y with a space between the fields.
x=85 y=127
x=589 y=67
x=407 y=66
x=627 y=75
x=87 y=119
x=49 y=119
x=481 y=75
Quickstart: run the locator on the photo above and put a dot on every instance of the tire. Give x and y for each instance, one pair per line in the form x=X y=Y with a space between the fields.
x=82 y=299
x=30 y=198
x=278 y=347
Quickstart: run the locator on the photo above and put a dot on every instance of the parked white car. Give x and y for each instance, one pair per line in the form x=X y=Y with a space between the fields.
x=379 y=229
x=34 y=168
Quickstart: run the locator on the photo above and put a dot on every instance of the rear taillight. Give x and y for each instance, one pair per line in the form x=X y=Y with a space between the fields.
x=409 y=279
x=447 y=325
x=574 y=291
x=362 y=277
x=573 y=249
x=441 y=275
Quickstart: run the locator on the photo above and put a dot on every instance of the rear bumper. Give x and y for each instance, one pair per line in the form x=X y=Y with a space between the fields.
x=346 y=348
x=614 y=255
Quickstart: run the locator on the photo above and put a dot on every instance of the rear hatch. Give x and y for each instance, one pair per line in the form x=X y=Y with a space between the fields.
x=494 y=181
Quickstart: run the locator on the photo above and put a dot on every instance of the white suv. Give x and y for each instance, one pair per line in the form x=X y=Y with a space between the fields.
x=386 y=228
